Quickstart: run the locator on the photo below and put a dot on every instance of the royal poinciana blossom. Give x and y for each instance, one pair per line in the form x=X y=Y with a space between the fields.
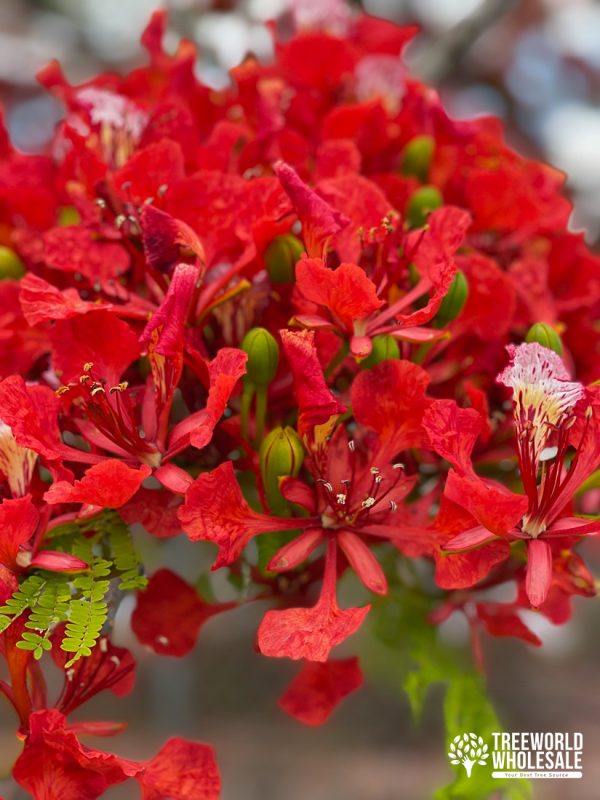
x=289 y=319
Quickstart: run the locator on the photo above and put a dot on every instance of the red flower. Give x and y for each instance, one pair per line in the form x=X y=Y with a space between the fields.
x=349 y=302
x=549 y=419
x=55 y=766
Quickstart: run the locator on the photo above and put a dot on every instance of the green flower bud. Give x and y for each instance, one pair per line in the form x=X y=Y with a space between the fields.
x=384 y=348
x=68 y=215
x=421 y=203
x=281 y=455
x=281 y=256
x=454 y=302
x=546 y=335
x=263 y=356
x=11 y=265
x=416 y=157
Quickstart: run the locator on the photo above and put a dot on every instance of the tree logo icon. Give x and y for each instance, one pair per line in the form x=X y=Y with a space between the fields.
x=468 y=749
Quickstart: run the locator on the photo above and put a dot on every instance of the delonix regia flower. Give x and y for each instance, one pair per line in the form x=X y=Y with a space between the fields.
x=558 y=445
x=271 y=317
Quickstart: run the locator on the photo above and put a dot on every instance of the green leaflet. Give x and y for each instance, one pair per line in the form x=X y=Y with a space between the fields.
x=23 y=599
x=105 y=543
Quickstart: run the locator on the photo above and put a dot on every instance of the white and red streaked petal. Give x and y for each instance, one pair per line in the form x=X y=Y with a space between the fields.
x=16 y=463
x=542 y=391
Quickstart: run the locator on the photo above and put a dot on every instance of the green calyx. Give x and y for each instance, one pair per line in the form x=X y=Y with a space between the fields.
x=263 y=357
x=384 y=348
x=11 y=266
x=281 y=454
x=421 y=204
x=546 y=335
x=416 y=157
x=454 y=301
x=281 y=256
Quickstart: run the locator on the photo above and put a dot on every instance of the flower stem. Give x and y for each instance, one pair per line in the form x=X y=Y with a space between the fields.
x=337 y=359
x=247 y=396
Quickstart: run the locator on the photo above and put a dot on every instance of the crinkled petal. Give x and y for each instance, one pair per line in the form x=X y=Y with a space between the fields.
x=216 y=511
x=317 y=690
x=109 y=484
x=169 y=614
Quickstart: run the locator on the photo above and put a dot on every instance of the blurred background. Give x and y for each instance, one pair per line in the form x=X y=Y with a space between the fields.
x=535 y=64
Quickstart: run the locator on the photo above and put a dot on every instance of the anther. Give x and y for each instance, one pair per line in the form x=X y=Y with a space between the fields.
x=398 y=466
x=351 y=445
x=368 y=502
x=393 y=505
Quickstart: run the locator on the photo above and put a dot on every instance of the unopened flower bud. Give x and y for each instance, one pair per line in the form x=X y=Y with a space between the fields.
x=11 y=265
x=281 y=455
x=421 y=204
x=281 y=256
x=454 y=301
x=416 y=157
x=263 y=356
x=384 y=348
x=546 y=335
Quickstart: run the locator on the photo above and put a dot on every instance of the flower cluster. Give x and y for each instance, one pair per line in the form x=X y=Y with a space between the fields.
x=308 y=319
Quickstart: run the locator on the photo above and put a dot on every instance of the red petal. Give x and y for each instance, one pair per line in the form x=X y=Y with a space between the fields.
x=109 y=484
x=165 y=237
x=165 y=329
x=452 y=432
x=18 y=522
x=41 y=301
x=390 y=400
x=54 y=765
x=215 y=511
x=362 y=202
x=181 y=770
x=315 y=692
x=462 y=570
x=319 y=220
x=53 y=561
x=363 y=562
x=77 y=249
x=296 y=491
x=225 y=370
x=311 y=633
x=468 y=539
x=493 y=506
x=345 y=292
x=148 y=170
x=169 y=614
x=539 y=571
x=156 y=510
x=32 y=412
x=315 y=401
x=434 y=257
x=502 y=620
x=101 y=338
x=296 y=551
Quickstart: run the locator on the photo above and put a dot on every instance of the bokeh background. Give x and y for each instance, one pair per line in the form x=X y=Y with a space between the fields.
x=535 y=64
